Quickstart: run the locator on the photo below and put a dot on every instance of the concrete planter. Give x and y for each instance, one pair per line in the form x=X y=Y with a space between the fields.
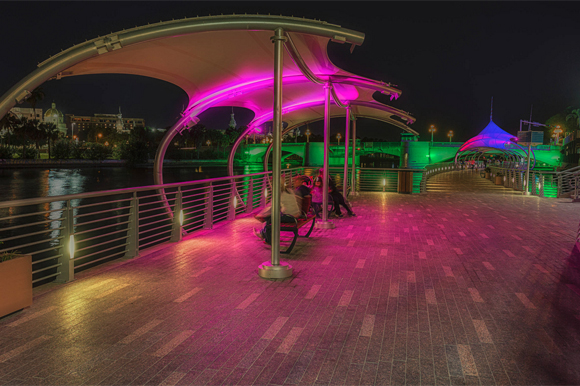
x=487 y=175
x=15 y=284
x=499 y=180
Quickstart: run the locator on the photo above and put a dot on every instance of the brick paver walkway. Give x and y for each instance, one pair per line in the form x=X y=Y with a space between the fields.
x=459 y=287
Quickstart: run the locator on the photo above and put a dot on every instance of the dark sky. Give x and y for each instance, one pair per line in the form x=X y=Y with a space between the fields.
x=448 y=58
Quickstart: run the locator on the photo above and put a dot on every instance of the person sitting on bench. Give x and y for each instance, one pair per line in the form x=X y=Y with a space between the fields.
x=337 y=197
x=289 y=212
x=301 y=191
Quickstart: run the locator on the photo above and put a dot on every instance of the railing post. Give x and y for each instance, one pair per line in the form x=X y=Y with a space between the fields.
x=67 y=271
x=176 y=232
x=533 y=184
x=559 y=193
x=233 y=201
x=542 y=183
x=264 y=191
x=250 y=197
x=208 y=223
x=132 y=249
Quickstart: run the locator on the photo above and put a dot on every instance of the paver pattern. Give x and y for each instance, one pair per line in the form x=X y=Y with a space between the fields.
x=467 y=284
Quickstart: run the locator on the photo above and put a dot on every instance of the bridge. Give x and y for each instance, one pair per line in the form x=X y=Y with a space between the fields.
x=459 y=285
x=421 y=153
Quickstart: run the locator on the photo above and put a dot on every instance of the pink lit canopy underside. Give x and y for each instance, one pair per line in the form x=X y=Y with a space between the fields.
x=234 y=68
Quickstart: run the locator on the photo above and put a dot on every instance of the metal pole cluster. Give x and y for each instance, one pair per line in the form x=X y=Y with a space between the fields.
x=325 y=224
x=276 y=269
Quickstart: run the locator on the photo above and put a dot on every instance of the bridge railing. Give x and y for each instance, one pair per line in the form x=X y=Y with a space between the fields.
x=542 y=183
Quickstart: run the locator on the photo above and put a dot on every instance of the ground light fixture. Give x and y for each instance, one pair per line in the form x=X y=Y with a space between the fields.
x=71 y=246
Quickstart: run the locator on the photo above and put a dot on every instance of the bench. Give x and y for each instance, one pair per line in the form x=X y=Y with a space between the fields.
x=299 y=223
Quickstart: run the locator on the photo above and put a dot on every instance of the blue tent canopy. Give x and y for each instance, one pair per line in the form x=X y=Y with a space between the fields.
x=490 y=137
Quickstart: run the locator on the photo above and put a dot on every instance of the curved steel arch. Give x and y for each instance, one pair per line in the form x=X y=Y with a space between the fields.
x=56 y=64
x=376 y=106
x=289 y=128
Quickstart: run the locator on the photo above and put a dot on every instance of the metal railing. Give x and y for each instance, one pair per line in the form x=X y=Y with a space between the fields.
x=542 y=183
x=67 y=234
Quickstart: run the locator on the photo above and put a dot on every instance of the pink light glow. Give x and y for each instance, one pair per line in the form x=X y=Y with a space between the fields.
x=344 y=85
x=298 y=106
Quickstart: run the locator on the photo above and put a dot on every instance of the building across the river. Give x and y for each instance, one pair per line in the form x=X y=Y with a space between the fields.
x=102 y=122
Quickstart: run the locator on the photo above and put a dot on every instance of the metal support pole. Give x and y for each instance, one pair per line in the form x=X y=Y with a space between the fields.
x=208 y=220
x=176 y=232
x=527 y=180
x=324 y=223
x=132 y=249
x=264 y=194
x=233 y=201
x=250 y=197
x=353 y=166
x=346 y=139
x=276 y=269
x=67 y=272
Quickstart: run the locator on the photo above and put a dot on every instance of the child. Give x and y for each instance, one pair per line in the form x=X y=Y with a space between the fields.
x=316 y=193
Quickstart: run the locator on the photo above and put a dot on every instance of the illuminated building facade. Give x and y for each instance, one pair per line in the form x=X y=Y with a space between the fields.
x=104 y=122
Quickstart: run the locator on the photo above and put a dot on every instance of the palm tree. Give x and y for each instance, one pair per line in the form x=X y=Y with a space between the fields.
x=35 y=96
x=9 y=122
x=49 y=132
x=574 y=115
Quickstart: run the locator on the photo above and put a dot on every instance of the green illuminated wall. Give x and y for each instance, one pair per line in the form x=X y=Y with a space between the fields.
x=421 y=153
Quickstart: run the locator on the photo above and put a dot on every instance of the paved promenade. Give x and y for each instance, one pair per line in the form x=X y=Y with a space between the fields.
x=467 y=284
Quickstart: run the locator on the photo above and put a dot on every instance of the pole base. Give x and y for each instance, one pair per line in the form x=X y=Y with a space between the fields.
x=324 y=224
x=268 y=271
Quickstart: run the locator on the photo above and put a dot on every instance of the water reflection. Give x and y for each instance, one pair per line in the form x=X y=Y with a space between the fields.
x=31 y=183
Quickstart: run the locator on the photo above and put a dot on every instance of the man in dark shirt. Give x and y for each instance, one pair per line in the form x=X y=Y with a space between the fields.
x=337 y=197
x=300 y=191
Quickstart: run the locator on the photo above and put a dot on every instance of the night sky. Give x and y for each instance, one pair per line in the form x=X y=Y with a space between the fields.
x=448 y=58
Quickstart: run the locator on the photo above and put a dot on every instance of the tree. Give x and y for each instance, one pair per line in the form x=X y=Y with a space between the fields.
x=7 y=125
x=50 y=133
x=35 y=96
x=197 y=134
x=574 y=116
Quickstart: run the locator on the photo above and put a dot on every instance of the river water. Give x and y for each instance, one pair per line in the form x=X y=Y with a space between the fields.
x=17 y=184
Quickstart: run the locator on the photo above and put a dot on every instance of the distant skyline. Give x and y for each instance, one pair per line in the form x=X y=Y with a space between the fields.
x=448 y=58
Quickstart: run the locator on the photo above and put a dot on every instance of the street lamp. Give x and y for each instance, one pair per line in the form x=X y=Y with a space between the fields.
x=432 y=130
x=307 y=135
x=450 y=135
x=72 y=130
x=247 y=136
x=338 y=137
x=99 y=136
x=557 y=131
x=208 y=142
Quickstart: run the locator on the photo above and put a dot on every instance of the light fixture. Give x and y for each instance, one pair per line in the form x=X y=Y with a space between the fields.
x=71 y=246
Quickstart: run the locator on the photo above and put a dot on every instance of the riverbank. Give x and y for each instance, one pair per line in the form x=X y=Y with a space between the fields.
x=81 y=163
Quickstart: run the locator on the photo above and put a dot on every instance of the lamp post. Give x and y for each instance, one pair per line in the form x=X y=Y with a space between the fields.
x=208 y=142
x=247 y=135
x=307 y=135
x=450 y=135
x=99 y=136
x=338 y=137
x=432 y=130
x=72 y=130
